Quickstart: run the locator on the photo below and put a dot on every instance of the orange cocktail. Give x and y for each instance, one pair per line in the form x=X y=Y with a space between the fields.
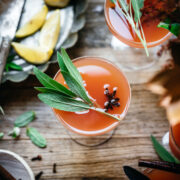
x=120 y=27
x=154 y=174
x=174 y=140
x=97 y=74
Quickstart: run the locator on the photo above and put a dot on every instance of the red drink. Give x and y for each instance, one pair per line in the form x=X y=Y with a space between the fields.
x=97 y=74
x=174 y=140
x=120 y=27
x=161 y=175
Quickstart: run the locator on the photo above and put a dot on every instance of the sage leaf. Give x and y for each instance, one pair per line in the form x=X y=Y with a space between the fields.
x=63 y=103
x=61 y=62
x=1 y=110
x=24 y=119
x=48 y=90
x=1 y=135
x=15 y=132
x=162 y=152
x=124 y=5
x=14 y=66
x=172 y=27
x=113 y=1
x=36 y=137
x=50 y=83
x=76 y=87
x=137 y=6
x=70 y=66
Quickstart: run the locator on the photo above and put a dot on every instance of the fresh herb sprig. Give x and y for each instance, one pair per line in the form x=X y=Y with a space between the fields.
x=134 y=19
x=58 y=96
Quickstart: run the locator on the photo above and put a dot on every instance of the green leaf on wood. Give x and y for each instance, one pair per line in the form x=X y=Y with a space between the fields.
x=36 y=137
x=24 y=119
x=162 y=152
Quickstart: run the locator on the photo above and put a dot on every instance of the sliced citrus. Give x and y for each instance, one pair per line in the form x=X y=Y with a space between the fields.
x=50 y=31
x=34 y=24
x=35 y=55
x=57 y=3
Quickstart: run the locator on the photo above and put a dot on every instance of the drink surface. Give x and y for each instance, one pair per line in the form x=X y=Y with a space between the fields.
x=161 y=175
x=97 y=74
x=122 y=30
x=174 y=140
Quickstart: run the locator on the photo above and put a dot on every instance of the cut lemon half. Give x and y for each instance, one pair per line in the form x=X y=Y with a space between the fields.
x=34 y=55
x=34 y=24
x=57 y=3
x=50 y=31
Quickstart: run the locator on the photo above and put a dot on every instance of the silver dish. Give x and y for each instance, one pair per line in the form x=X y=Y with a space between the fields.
x=72 y=20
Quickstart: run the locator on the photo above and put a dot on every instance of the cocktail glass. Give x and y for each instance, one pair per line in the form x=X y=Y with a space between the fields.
x=90 y=128
x=134 y=57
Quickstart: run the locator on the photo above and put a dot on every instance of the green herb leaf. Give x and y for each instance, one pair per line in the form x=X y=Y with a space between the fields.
x=15 y=132
x=113 y=1
x=52 y=84
x=36 y=137
x=14 y=66
x=162 y=152
x=24 y=119
x=1 y=135
x=76 y=87
x=63 y=103
x=1 y=110
x=70 y=66
x=172 y=27
x=124 y=5
x=137 y=6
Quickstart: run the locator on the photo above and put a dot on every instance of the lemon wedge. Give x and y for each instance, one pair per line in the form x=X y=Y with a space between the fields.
x=50 y=31
x=34 y=55
x=57 y=3
x=34 y=24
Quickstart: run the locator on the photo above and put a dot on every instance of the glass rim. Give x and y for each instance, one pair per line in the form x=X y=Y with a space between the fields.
x=174 y=142
x=133 y=43
x=112 y=126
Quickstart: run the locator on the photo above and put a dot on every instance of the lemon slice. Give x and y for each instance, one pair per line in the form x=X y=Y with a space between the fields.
x=35 y=55
x=57 y=3
x=34 y=24
x=50 y=31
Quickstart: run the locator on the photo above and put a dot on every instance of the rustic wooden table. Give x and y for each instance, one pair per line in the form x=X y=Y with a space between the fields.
x=130 y=142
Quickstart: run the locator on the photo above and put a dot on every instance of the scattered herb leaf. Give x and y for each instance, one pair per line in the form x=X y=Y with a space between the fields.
x=38 y=176
x=162 y=152
x=24 y=119
x=36 y=137
x=1 y=135
x=37 y=158
x=15 y=132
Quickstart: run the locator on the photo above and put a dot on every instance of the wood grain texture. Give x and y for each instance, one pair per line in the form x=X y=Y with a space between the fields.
x=130 y=142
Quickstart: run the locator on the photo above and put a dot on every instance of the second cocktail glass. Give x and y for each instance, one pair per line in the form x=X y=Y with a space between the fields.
x=122 y=30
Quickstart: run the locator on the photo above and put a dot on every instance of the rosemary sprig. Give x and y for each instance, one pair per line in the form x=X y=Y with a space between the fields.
x=58 y=96
x=134 y=20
